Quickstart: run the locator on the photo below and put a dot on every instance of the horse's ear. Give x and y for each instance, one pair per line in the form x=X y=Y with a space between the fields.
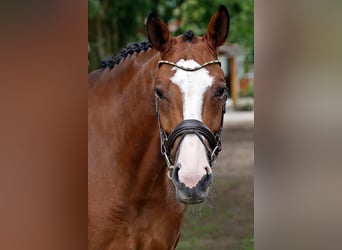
x=218 y=28
x=157 y=33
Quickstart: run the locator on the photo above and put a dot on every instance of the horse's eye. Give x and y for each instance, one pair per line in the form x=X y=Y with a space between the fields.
x=222 y=92
x=159 y=93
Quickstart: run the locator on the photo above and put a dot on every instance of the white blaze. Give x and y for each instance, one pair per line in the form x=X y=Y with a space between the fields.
x=192 y=154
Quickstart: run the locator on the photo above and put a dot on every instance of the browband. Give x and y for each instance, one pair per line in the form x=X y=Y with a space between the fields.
x=187 y=68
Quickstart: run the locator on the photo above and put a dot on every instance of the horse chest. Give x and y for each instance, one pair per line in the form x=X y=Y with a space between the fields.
x=148 y=228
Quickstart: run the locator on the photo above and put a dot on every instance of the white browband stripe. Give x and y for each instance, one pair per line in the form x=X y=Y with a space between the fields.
x=187 y=68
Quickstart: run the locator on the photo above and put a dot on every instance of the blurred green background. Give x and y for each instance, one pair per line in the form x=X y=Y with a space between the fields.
x=114 y=24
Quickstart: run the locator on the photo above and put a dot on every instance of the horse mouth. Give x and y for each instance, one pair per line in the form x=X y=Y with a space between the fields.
x=194 y=195
x=189 y=200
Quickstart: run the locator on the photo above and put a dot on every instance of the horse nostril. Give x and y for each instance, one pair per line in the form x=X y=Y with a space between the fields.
x=175 y=177
x=175 y=172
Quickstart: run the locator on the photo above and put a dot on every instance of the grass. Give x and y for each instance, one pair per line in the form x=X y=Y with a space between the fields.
x=248 y=244
x=224 y=224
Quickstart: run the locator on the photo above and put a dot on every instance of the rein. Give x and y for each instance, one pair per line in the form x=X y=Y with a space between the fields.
x=189 y=126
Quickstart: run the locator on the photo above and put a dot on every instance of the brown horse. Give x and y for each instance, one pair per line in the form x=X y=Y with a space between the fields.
x=155 y=119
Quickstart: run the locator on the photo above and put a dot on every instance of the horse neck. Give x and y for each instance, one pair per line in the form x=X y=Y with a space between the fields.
x=125 y=106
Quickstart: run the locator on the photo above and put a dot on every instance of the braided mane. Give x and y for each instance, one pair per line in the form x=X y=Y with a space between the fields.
x=136 y=48
x=133 y=48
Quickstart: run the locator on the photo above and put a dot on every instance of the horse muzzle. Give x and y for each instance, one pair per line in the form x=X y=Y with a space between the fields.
x=194 y=195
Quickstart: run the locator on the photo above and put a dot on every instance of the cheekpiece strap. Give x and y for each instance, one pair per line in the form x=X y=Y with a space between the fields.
x=187 y=68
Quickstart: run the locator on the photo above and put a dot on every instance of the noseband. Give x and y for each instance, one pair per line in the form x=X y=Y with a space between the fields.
x=190 y=126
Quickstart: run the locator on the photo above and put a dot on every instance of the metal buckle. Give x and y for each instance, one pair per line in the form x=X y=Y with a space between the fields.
x=213 y=156
x=170 y=171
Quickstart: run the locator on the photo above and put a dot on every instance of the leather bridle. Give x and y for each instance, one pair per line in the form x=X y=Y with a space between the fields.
x=189 y=126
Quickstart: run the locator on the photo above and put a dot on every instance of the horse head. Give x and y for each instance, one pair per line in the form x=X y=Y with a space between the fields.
x=190 y=92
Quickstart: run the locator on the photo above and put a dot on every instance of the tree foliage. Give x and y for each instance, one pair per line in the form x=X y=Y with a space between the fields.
x=113 y=24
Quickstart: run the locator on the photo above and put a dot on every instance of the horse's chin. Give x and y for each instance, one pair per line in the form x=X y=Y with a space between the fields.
x=190 y=196
x=194 y=195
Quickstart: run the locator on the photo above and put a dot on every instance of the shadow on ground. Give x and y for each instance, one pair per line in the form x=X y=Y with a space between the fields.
x=225 y=221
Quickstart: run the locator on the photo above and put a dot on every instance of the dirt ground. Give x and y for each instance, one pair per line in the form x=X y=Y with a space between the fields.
x=225 y=221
